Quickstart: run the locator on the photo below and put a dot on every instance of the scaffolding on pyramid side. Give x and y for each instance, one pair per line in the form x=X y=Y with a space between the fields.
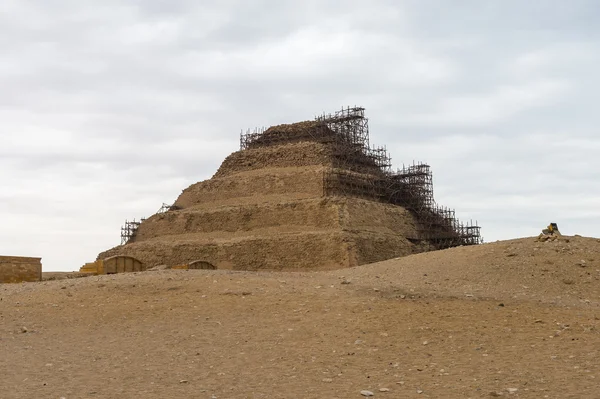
x=129 y=230
x=360 y=170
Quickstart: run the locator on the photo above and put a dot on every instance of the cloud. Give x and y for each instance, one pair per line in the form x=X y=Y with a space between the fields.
x=501 y=103
x=109 y=109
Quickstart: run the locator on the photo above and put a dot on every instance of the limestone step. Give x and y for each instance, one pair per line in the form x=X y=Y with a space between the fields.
x=290 y=215
x=274 y=250
x=278 y=251
x=294 y=182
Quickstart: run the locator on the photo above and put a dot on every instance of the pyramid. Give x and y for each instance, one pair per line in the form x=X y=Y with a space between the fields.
x=312 y=195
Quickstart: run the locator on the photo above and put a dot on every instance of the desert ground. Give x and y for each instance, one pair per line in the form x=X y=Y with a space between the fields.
x=514 y=319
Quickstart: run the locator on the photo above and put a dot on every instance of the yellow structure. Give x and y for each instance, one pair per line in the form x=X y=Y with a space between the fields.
x=91 y=267
x=113 y=265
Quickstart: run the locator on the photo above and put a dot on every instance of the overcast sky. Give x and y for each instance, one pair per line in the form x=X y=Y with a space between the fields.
x=110 y=108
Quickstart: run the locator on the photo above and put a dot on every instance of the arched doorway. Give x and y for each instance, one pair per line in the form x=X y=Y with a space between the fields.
x=201 y=265
x=121 y=264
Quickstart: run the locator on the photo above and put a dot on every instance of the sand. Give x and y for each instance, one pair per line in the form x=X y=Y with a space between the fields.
x=511 y=319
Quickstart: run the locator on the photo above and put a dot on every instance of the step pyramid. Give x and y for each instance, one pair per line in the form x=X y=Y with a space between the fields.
x=312 y=195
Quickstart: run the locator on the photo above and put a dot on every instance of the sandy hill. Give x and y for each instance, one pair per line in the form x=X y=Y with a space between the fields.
x=564 y=271
x=508 y=319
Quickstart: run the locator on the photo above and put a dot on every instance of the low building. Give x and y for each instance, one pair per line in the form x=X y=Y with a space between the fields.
x=18 y=269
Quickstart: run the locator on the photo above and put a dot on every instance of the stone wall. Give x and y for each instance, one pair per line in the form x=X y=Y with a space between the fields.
x=16 y=269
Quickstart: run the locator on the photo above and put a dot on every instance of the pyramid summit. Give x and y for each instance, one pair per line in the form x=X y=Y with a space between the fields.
x=311 y=195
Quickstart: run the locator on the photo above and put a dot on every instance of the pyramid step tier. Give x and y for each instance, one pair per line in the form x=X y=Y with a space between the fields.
x=291 y=251
x=303 y=214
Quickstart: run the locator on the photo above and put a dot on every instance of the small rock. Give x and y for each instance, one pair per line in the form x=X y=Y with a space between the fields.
x=376 y=289
x=24 y=330
x=384 y=390
x=425 y=342
x=495 y=394
x=367 y=393
x=582 y=263
x=512 y=390
x=345 y=282
x=327 y=379
x=183 y=381
x=419 y=391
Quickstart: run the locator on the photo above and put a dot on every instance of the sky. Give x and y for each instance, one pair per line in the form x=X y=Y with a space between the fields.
x=108 y=109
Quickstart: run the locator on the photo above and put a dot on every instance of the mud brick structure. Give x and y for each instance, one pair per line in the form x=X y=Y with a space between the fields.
x=301 y=196
x=18 y=269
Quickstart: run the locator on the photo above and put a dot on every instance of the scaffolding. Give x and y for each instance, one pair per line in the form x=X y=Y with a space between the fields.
x=346 y=183
x=129 y=230
x=166 y=208
x=360 y=170
x=412 y=188
x=349 y=125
